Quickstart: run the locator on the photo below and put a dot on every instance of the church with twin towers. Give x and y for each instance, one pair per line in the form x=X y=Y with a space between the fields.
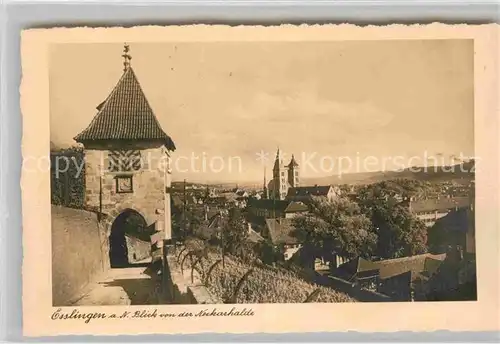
x=285 y=177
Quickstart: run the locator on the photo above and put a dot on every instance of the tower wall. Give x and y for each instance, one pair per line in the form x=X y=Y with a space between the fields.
x=149 y=184
x=293 y=176
x=280 y=178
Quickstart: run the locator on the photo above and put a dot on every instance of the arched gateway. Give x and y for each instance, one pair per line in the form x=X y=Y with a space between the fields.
x=128 y=229
x=127 y=162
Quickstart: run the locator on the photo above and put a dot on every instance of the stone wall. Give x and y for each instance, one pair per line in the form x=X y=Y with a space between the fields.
x=80 y=253
x=178 y=286
x=149 y=196
x=148 y=185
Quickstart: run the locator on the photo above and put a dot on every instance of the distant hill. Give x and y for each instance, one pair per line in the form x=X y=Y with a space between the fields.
x=459 y=172
x=218 y=184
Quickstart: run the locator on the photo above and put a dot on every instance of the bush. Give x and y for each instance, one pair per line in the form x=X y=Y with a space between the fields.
x=67 y=182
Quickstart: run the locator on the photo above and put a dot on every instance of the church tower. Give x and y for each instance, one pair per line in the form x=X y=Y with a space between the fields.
x=293 y=173
x=265 y=193
x=280 y=178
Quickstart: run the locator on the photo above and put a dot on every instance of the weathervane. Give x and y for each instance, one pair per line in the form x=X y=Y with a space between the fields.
x=126 y=57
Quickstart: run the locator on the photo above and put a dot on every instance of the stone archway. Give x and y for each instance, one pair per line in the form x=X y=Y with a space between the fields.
x=128 y=222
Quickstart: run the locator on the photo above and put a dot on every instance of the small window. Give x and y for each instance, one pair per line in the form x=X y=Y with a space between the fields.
x=282 y=174
x=124 y=184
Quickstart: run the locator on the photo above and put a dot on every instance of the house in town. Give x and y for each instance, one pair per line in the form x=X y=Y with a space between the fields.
x=269 y=208
x=253 y=236
x=234 y=198
x=306 y=193
x=402 y=279
x=280 y=231
x=241 y=193
x=211 y=227
x=431 y=210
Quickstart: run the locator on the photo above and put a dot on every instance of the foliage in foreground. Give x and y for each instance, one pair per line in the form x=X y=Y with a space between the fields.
x=67 y=183
x=261 y=283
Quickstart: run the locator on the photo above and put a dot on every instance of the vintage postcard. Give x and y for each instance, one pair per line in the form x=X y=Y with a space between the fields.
x=192 y=179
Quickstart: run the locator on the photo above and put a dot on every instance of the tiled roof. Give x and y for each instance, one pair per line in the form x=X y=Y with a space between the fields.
x=278 y=205
x=255 y=237
x=269 y=204
x=416 y=264
x=296 y=207
x=125 y=115
x=354 y=266
x=309 y=191
x=441 y=204
x=281 y=231
x=420 y=264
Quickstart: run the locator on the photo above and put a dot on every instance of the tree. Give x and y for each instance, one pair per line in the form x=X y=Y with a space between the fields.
x=336 y=227
x=68 y=176
x=186 y=220
x=399 y=232
x=234 y=232
x=267 y=252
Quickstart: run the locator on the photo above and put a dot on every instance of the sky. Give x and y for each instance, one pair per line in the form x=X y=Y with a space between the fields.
x=233 y=104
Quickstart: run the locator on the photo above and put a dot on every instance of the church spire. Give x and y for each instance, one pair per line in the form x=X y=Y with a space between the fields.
x=126 y=57
x=293 y=163
x=265 y=194
x=278 y=162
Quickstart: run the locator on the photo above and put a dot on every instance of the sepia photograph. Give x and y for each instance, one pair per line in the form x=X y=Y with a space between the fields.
x=252 y=179
x=262 y=172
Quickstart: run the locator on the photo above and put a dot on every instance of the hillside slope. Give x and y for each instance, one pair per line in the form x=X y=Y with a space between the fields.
x=459 y=173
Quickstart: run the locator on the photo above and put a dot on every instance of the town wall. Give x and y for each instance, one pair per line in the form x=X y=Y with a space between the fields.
x=178 y=286
x=80 y=253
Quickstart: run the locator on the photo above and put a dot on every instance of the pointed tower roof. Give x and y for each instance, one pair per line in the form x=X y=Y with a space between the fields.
x=278 y=162
x=125 y=115
x=293 y=163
